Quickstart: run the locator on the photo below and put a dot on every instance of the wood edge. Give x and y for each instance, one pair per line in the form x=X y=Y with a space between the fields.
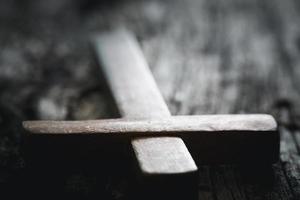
x=109 y=125
x=152 y=174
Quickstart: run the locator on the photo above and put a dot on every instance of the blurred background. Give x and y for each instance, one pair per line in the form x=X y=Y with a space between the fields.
x=208 y=56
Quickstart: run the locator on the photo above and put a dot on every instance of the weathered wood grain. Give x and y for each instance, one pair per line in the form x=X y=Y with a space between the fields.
x=149 y=153
x=235 y=61
x=137 y=96
x=232 y=62
x=129 y=77
x=213 y=56
x=211 y=138
x=239 y=123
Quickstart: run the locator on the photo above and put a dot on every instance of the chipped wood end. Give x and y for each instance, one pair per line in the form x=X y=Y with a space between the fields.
x=166 y=169
x=161 y=155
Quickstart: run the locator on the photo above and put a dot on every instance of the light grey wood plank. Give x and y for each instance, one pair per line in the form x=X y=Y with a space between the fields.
x=252 y=123
x=137 y=96
x=174 y=151
x=129 y=77
x=211 y=138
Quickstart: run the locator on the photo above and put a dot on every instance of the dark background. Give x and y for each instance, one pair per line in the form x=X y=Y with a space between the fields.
x=208 y=57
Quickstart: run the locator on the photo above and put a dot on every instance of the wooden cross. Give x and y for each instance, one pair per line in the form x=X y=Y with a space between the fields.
x=157 y=137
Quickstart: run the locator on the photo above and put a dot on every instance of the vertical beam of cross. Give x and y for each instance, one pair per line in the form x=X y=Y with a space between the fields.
x=164 y=161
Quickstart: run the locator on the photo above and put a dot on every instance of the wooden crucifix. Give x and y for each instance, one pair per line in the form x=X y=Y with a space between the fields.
x=158 y=139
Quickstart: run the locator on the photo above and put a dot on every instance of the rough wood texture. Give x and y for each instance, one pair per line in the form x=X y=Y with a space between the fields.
x=149 y=154
x=137 y=96
x=252 y=123
x=211 y=138
x=129 y=77
x=207 y=56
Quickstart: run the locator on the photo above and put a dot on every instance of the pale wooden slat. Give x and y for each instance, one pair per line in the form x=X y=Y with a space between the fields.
x=149 y=153
x=211 y=138
x=137 y=96
x=252 y=124
x=129 y=77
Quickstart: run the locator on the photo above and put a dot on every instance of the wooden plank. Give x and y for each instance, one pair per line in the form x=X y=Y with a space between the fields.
x=246 y=124
x=149 y=150
x=129 y=77
x=137 y=96
x=211 y=138
x=286 y=75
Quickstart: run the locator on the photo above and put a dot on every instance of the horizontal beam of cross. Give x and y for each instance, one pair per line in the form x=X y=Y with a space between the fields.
x=210 y=138
x=175 y=125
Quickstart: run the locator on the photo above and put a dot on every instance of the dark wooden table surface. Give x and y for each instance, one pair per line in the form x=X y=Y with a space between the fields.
x=207 y=56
